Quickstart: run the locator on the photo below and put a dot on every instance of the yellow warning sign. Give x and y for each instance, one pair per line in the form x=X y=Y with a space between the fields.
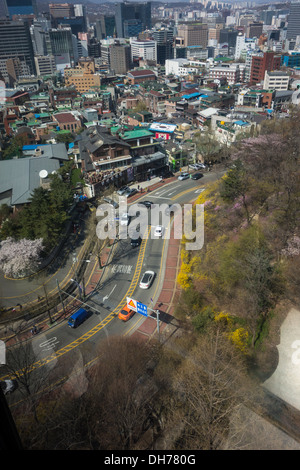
x=131 y=303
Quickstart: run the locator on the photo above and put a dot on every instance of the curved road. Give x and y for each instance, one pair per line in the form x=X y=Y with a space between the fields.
x=121 y=279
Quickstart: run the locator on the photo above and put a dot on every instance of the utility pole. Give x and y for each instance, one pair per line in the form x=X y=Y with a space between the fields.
x=48 y=309
x=60 y=296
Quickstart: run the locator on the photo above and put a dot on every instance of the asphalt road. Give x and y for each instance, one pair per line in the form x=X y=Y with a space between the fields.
x=63 y=350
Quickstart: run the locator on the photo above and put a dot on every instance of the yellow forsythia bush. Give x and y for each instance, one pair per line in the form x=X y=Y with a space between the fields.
x=240 y=338
x=184 y=276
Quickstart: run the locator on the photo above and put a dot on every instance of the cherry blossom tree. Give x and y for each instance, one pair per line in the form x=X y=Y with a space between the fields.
x=20 y=258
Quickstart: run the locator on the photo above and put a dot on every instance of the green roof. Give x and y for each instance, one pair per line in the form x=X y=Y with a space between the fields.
x=116 y=129
x=136 y=134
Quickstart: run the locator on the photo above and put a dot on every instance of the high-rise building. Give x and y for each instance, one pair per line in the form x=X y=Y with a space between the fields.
x=261 y=63
x=193 y=34
x=105 y=27
x=3 y=10
x=164 y=44
x=293 y=27
x=21 y=7
x=15 y=42
x=228 y=35
x=132 y=28
x=132 y=11
x=38 y=32
x=94 y=48
x=145 y=50
x=61 y=10
x=120 y=58
x=254 y=29
x=66 y=14
x=62 y=44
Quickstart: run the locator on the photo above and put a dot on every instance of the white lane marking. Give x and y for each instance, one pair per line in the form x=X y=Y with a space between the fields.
x=107 y=296
x=121 y=268
x=47 y=345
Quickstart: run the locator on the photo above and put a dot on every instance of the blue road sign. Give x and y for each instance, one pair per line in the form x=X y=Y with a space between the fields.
x=141 y=308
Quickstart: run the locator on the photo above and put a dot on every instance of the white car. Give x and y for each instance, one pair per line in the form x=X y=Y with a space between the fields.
x=147 y=279
x=194 y=166
x=183 y=176
x=125 y=219
x=200 y=165
x=122 y=190
x=159 y=231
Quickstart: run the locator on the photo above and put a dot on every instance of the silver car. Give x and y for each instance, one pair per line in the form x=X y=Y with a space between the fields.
x=147 y=279
x=183 y=176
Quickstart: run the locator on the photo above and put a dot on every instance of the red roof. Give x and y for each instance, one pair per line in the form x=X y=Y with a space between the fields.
x=64 y=117
x=141 y=73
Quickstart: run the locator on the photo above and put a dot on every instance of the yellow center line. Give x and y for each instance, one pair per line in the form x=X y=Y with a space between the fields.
x=105 y=321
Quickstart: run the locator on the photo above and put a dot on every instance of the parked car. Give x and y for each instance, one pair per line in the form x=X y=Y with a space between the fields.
x=159 y=230
x=130 y=192
x=194 y=166
x=126 y=313
x=197 y=176
x=201 y=165
x=111 y=201
x=122 y=190
x=125 y=219
x=183 y=176
x=134 y=242
x=147 y=279
x=8 y=386
x=78 y=317
x=133 y=191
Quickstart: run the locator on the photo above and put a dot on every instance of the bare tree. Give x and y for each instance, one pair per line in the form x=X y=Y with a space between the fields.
x=209 y=386
x=123 y=392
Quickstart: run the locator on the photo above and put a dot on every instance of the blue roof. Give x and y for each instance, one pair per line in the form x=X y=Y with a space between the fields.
x=192 y=95
x=241 y=123
x=32 y=147
x=29 y=147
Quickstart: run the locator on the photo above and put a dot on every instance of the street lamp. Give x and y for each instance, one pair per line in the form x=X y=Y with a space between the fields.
x=78 y=285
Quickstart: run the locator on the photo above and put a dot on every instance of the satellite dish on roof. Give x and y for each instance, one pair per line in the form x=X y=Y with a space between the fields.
x=43 y=174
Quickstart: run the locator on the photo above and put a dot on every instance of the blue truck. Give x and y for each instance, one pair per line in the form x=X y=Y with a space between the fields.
x=77 y=318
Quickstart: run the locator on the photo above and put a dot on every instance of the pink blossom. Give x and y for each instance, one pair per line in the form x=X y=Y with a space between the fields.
x=20 y=258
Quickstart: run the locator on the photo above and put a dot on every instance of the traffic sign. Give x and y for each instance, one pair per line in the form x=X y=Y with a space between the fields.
x=137 y=306
x=131 y=303
x=142 y=309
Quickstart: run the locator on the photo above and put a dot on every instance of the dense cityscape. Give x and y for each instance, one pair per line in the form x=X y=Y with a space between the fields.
x=151 y=104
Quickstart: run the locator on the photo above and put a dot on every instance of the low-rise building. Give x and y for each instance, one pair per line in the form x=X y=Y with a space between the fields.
x=67 y=121
x=83 y=76
x=135 y=77
x=19 y=177
x=276 y=80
